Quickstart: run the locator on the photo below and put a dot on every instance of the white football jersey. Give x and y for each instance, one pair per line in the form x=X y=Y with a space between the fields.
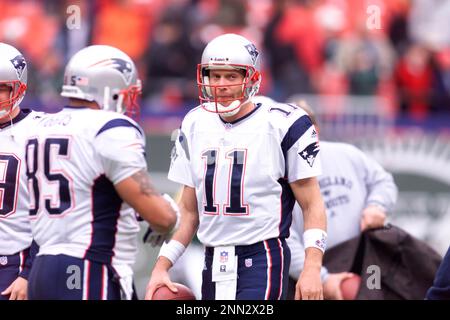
x=15 y=231
x=74 y=160
x=241 y=171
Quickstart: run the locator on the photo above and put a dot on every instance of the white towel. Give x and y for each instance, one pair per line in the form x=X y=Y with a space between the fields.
x=224 y=272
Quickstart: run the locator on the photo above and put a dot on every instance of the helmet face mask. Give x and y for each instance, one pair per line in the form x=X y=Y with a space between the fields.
x=128 y=100
x=17 y=92
x=228 y=52
x=104 y=75
x=13 y=74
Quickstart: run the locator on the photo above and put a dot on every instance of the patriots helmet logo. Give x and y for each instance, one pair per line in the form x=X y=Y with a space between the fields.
x=310 y=153
x=19 y=64
x=251 y=48
x=123 y=66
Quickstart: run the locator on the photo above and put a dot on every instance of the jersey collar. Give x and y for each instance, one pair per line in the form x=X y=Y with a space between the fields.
x=22 y=115
x=241 y=118
x=75 y=108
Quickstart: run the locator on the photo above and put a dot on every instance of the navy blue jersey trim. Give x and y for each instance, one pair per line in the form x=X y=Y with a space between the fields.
x=119 y=123
x=287 y=205
x=20 y=116
x=106 y=204
x=79 y=107
x=297 y=129
x=244 y=117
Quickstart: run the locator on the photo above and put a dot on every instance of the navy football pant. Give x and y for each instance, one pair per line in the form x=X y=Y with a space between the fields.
x=10 y=267
x=61 y=277
x=263 y=271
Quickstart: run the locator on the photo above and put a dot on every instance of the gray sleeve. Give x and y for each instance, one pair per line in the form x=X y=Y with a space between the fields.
x=381 y=187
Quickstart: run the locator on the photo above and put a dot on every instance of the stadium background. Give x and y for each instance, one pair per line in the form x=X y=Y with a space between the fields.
x=377 y=73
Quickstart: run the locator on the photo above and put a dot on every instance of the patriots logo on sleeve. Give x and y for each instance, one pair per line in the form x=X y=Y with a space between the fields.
x=173 y=155
x=251 y=48
x=19 y=64
x=310 y=152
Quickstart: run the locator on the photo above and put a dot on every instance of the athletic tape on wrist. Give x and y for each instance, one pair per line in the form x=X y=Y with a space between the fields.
x=172 y=250
x=175 y=208
x=316 y=238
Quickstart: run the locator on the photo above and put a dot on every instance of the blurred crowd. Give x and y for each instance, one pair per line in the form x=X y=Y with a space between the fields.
x=395 y=49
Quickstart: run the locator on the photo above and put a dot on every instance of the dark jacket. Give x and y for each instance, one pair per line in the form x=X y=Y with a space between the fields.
x=404 y=265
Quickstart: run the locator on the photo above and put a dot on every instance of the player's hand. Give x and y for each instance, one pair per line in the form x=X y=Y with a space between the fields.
x=156 y=238
x=17 y=290
x=373 y=217
x=309 y=285
x=159 y=278
x=332 y=286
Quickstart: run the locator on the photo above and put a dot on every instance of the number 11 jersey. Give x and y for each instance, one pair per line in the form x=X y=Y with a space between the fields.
x=241 y=171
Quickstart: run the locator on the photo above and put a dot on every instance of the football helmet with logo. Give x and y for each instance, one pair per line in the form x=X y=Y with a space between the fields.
x=13 y=73
x=105 y=75
x=228 y=52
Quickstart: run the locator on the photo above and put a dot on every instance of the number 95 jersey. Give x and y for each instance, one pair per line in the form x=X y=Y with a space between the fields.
x=241 y=171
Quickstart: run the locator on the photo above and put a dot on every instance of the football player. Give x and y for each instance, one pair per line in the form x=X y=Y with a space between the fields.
x=87 y=171
x=243 y=166
x=16 y=249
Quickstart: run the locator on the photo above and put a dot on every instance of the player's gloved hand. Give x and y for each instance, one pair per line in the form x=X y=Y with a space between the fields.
x=155 y=238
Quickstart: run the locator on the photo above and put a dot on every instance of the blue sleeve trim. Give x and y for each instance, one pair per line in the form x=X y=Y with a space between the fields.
x=119 y=123
x=297 y=129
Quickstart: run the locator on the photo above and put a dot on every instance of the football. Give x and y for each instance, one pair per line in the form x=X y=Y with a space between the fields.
x=164 y=293
x=350 y=287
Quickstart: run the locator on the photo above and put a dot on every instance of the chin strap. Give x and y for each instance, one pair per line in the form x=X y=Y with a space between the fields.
x=234 y=105
x=216 y=107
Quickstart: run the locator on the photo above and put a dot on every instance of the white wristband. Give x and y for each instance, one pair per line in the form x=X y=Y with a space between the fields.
x=175 y=208
x=316 y=238
x=172 y=250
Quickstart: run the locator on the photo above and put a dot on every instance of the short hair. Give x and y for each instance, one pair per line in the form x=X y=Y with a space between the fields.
x=305 y=106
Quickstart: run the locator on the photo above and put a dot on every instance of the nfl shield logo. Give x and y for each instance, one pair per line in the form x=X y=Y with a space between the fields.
x=248 y=263
x=3 y=260
x=223 y=256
